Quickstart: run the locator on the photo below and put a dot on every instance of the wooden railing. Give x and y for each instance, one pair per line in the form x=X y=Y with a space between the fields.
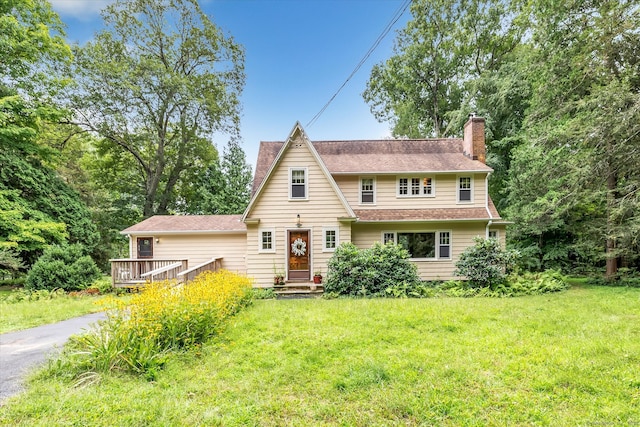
x=136 y=272
x=168 y=272
x=213 y=264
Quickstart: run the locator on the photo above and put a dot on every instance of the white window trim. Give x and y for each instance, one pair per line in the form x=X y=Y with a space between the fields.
x=273 y=240
x=440 y=244
x=464 y=202
x=324 y=238
x=437 y=242
x=306 y=183
x=418 y=196
x=493 y=231
x=360 y=190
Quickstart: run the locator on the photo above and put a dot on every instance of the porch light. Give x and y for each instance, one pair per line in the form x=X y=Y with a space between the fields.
x=298 y=223
x=157 y=240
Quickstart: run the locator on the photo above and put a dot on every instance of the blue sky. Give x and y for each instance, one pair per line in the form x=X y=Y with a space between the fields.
x=298 y=53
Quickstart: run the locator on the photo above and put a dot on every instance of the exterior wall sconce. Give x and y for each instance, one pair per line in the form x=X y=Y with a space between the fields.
x=298 y=223
x=157 y=240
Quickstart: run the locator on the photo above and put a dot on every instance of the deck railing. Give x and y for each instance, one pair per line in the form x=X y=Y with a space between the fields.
x=135 y=272
x=213 y=264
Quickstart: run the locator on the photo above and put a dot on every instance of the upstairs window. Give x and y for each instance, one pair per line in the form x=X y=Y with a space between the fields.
x=298 y=183
x=367 y=191
x=464 y=189
x=415 y=187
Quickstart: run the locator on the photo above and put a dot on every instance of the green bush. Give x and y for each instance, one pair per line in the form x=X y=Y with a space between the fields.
x=515 y=284
x=369 y=272
x=64 y=267
x=625 y=277
x=485 y=264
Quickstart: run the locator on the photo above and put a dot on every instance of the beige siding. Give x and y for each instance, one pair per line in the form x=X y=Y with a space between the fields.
x=275 y=211
x=462 y=234
x=198 y=248
x=386 y=196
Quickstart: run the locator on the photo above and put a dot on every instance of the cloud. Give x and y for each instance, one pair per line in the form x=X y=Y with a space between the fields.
x=84 y=10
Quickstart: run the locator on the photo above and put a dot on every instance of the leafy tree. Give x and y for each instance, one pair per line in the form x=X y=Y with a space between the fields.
x=444 y=46
x=154 y=85
x=583 y=126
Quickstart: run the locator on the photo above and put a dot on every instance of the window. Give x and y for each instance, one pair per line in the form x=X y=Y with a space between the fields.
x=367 y=190
x=422 y=245
x=464 y=189
x=403 y=186
x=298 y=184
x=415 y=187
x=145 y=247
x=329 y=239
x=388 y=237
x=419 y=245
x=493 y=234
x=267 y=240
x=444 y=248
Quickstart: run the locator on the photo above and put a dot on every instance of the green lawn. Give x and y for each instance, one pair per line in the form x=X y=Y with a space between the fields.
x=27 y=314
x=559 y=360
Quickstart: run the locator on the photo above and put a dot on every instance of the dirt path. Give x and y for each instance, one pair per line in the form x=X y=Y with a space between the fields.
x=23 y=350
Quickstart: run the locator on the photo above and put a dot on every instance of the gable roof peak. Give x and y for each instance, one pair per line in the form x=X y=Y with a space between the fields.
x=297 y=132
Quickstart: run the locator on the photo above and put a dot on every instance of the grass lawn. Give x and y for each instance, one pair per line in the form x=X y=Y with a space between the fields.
x=560 y=360
x=27 y=314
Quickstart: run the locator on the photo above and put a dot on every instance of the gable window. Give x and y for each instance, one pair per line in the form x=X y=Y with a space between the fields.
x=422 y=245
x=145 y=247
x=416 y=187
x=367 y=190
x=464 y=189
x=267 y=240
x=298 y=179
x=329 y=239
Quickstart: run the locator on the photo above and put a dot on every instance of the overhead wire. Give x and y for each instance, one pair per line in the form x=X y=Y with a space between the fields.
x=399 y=12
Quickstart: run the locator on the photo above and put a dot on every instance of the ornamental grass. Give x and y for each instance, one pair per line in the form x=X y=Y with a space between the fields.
x=138 y=335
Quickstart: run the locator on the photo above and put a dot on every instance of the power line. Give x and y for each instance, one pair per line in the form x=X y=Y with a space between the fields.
x=403 y=7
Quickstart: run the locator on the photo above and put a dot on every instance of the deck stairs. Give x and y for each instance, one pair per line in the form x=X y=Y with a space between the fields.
x=298 y=289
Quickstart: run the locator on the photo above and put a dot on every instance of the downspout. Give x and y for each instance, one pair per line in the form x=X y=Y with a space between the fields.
x=486 y=205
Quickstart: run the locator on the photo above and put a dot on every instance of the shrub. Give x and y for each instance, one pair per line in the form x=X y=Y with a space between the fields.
x=137 y=336
x=485 y=264
x=369 y=272
x=515 y=284
x=64 y=267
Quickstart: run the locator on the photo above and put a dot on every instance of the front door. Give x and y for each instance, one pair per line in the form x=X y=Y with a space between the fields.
x=299 y=255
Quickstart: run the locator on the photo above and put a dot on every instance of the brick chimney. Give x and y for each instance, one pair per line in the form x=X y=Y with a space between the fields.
x=473 y=143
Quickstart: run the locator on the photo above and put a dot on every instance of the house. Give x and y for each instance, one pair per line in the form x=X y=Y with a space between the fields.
x=429 y=195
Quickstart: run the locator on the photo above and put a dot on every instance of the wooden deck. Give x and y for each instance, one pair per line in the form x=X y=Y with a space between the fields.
x=136 y=272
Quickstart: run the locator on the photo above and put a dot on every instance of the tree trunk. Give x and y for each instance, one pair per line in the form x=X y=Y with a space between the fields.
x=611 y=257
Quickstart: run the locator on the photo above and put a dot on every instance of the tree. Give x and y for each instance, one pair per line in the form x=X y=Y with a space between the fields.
x=37 y=208
x=154 y=84
x=225 y=187
x=585 y=118
x=445 y=45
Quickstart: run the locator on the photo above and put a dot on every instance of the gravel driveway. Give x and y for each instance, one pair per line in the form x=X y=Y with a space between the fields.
x=23 y=350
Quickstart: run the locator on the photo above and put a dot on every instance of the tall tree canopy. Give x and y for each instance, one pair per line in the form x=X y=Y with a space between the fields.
x=155 y=85
x=445 y=45
x=583 y=129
